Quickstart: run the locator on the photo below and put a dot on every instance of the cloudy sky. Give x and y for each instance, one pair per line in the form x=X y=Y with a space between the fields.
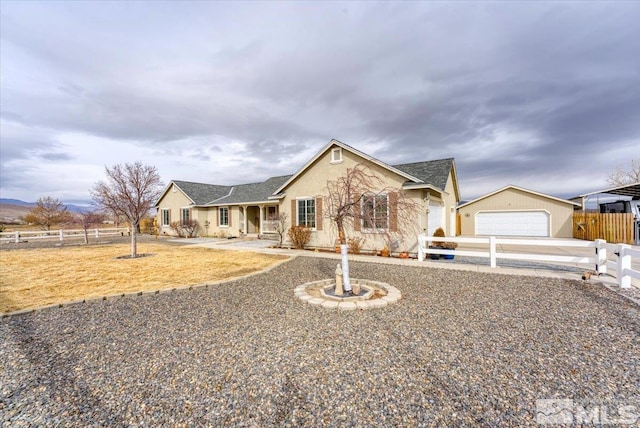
x=543 y=95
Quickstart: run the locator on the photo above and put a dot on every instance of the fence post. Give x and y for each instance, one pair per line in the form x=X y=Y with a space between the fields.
x=97 y=233
x=420 y=248
x=61 y=235
x=601 y=256
x=17 y=237
x=624 y=262
x=492 y=251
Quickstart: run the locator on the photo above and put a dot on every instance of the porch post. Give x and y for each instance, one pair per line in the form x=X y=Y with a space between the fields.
x=261 y=216
x=244 y=218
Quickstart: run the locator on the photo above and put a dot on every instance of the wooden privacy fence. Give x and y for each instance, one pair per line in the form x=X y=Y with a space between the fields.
x=611 y=227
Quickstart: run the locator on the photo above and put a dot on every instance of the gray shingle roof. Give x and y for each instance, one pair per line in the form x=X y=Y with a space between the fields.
x=433 y=172
x=202 y=193
x=252 y=192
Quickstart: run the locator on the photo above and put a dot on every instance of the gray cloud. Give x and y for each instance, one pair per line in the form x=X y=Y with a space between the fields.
x=516 y=92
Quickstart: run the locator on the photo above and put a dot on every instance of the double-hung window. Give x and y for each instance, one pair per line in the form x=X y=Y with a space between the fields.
x=307 y=212
x=223 y=216
x=165 y=217
x=185 y=215
x=375 y=212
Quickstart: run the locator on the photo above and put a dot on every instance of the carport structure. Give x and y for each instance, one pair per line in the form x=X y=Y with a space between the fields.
x=628 y=190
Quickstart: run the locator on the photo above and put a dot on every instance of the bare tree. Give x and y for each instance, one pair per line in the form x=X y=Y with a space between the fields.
x=88 y=219
x=280 y=226
x=358 y=200
x=48 y=212
x=131 y=190
x=621 y=176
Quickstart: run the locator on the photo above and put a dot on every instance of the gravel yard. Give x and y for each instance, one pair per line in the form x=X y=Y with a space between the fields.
x=460 y=348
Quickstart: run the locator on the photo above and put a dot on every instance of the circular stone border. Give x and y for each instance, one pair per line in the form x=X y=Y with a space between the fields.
x=393 y=295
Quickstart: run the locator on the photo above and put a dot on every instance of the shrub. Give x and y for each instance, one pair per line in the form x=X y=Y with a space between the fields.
x=187 y=229
x=355 y=245
x=299 y=236
x=147 y=225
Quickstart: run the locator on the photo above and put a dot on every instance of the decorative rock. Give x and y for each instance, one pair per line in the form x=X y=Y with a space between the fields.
x=347 y=306
x=330 y=304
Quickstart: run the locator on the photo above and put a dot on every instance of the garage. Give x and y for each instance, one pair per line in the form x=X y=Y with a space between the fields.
x=515 y=211
x=513 y=223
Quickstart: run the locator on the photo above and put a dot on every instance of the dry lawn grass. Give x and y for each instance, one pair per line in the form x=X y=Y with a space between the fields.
x=33 y=278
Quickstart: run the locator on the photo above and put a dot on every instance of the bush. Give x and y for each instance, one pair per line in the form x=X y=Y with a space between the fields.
x=147 y=225
x=299 y=236
x=187 y=229
x=355 y=245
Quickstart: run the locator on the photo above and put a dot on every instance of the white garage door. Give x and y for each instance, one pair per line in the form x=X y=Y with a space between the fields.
x=513 y=223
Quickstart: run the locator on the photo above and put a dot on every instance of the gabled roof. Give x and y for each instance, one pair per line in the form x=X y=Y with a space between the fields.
x=251 y=193
x=522 y=190
x=435 y=172
x=335 y=142
x=197 y=193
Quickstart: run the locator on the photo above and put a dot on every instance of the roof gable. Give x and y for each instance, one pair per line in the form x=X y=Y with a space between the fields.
x=201 y=193
x=340 y=144
x=521 y=189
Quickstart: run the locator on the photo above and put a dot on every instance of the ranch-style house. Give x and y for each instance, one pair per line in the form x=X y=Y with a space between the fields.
x=253 y=209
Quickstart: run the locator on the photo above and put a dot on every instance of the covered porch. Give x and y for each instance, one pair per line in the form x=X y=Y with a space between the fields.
x=259 y=219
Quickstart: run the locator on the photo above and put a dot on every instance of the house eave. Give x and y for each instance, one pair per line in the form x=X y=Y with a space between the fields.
x=418 y=186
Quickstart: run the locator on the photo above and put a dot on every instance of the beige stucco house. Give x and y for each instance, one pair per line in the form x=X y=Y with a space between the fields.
x=251 y=209
x=515 y=211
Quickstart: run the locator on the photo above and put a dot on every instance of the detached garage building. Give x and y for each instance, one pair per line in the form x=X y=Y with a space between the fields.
x=514 y=211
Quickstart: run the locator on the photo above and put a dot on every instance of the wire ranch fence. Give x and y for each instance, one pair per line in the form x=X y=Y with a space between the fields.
x=61 y=235
x=620 y=268
x=612 y=227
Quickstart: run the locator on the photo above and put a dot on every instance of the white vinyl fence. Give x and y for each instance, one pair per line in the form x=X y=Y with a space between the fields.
x=621 y=268
x=61 y=235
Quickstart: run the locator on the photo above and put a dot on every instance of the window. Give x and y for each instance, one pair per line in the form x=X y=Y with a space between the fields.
x=165 y=217
x=272 y=213
x=185 y=215
x=375 y=212
x=223 y=216
x=307 y=212
x=336 y=155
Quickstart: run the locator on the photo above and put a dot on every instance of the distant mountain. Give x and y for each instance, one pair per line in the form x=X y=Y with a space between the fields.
x=12 y=209
x=16 y=202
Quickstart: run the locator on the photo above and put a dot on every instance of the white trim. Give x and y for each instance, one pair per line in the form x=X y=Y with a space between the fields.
x=522 y=190
x=549 y=217
x=336 y=159
x=315 y=208
x=162 y=211
x=166 y=190
x=220 y=217
x=181 y=212
x=374 y=229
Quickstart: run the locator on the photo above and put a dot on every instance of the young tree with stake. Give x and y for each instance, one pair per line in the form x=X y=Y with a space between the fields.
x=131 y=189
x=358 y=199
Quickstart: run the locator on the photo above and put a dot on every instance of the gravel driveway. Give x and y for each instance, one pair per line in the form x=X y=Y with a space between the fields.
x=460 y=348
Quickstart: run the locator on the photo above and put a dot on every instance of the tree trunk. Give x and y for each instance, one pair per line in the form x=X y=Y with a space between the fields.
x=134 y=243
x=344 y=259
x=346 y=281
x=86 y=236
